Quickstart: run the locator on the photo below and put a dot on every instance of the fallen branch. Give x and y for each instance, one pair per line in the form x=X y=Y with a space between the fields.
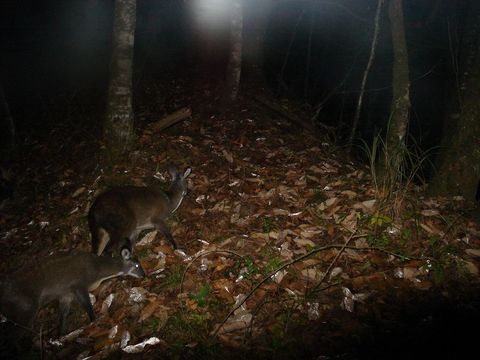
x=171 y=119
x=300 y=258
x=333 y=262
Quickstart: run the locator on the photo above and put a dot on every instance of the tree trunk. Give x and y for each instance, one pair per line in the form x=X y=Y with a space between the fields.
x=234 y=68
x=254 y=46
x=459 y=168
x=118 y=130
x=397 y=128
x=391 y=164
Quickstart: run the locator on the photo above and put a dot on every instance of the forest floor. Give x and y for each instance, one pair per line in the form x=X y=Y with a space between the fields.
x=277 y=224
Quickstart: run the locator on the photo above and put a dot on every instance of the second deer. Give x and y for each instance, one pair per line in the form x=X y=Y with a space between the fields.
x=118 y=215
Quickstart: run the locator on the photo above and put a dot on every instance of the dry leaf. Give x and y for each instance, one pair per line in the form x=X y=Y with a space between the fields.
x=350 y=222
x=304 y=242
x=349 y=193
x=430 y=212
x=368 y=205
x=191 y=304
x=330 y=230
x=149 y=310
x=310 y=233
x=471 y=267
x=78 y=192
x=473 y=252
x=222 y=287
x=280 y=212
x=148 y=238
x=312 y=274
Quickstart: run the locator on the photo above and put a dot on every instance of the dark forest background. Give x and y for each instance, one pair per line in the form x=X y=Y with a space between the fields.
x=57 y=53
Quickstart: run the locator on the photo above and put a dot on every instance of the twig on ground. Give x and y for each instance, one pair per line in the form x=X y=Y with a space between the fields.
x=334 y=261
x=300 y=258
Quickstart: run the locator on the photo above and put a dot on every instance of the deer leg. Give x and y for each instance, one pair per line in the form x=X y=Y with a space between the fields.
x=163 y=228
x=82 y=297
x=64 y=309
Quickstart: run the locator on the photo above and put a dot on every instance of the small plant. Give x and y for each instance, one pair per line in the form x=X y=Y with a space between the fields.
x=201 y=296
x=175 y=277
x=250 y=266
x=444 y=259
x=381 y=240
x=405 y=235
x=154 y=323
x=200 y=319
x=395 y=170
x=267 y=225
x=319 y=196
x=272 y=264
x=245 y=267
x=184 y=328
x=380 y=220
x=365 y=267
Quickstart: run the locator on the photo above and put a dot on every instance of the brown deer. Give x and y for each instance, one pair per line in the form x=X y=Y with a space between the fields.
x=118 y=215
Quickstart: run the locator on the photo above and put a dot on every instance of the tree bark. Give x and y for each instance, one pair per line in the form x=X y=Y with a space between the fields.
x=390 y=165
x=400 y=108
x=459 y=167
x=234 y=68
x=254 y=45
x=118 y=129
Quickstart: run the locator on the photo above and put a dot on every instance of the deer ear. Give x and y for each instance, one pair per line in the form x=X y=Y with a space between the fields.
x=187 y=172
x=126 y=254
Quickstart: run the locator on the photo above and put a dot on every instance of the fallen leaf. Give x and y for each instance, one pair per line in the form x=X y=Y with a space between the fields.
x=304 y=242
x=227 y=155
x=349 y=193
x=78 y=192
x=138 y=348
x=149 y=310
x=471 y=267
x=473 y=252
x=309 y=233
x=429 y=212
x=312 y=274
x=367 y=206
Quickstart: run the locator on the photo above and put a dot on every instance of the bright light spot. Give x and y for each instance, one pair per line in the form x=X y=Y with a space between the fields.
x=209 y=14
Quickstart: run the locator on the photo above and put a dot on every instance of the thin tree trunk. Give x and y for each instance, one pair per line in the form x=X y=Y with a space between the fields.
x=254 y=40
x=391 y=164
x=118 y=130
x=400 y=108
x=373 y=48
x=308 y=57
x=234 y=68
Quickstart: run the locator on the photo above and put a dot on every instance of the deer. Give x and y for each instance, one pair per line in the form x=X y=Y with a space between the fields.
x=121 y=213
x=64 y=278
